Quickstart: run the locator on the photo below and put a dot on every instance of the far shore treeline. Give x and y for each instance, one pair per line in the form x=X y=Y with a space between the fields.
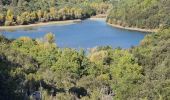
x=145 y=14
x=22 y=12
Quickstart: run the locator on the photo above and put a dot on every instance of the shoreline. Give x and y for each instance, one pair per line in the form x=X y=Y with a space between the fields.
x=40 y=24
x=134 y=29
x=104 y=16
x=98 y=17
x=92 y=18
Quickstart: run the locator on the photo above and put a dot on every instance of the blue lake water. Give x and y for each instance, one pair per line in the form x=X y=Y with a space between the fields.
x=86 y=34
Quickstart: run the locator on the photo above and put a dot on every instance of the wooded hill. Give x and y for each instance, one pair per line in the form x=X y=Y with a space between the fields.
x=142 y=72
x=139 y=73
x=147 y=14
x=21 y=12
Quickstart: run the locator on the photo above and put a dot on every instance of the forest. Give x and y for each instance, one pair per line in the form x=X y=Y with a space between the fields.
x=138 y=73
x=66 y=74
x=146 y=14
x=23 y=12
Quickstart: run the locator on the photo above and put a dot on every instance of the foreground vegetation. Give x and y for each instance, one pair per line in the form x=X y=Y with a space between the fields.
x=28 y=65
x=22 y=12
x=147 y=14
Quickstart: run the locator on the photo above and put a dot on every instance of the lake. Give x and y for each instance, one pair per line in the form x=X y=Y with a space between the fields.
x=86 y=34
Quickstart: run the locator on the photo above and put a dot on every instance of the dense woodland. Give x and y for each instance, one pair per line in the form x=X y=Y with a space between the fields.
x=147 y=14
x=22 y=12
x=139 y=73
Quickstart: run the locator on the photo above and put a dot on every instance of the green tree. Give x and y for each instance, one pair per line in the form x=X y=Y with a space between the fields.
x=49 y=37
x=9 y=18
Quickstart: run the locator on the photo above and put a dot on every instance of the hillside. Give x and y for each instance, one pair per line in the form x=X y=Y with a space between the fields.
x=146 y=14
x=22 y=12
x=141 y=72
x=38 y=66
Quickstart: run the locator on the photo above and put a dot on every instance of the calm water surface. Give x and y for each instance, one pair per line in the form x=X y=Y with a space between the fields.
x=87 y=34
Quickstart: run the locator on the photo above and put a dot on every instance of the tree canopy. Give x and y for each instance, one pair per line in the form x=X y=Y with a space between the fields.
x=31 y=65
x=141 y=72
x=21 y=12
x=148 y=14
